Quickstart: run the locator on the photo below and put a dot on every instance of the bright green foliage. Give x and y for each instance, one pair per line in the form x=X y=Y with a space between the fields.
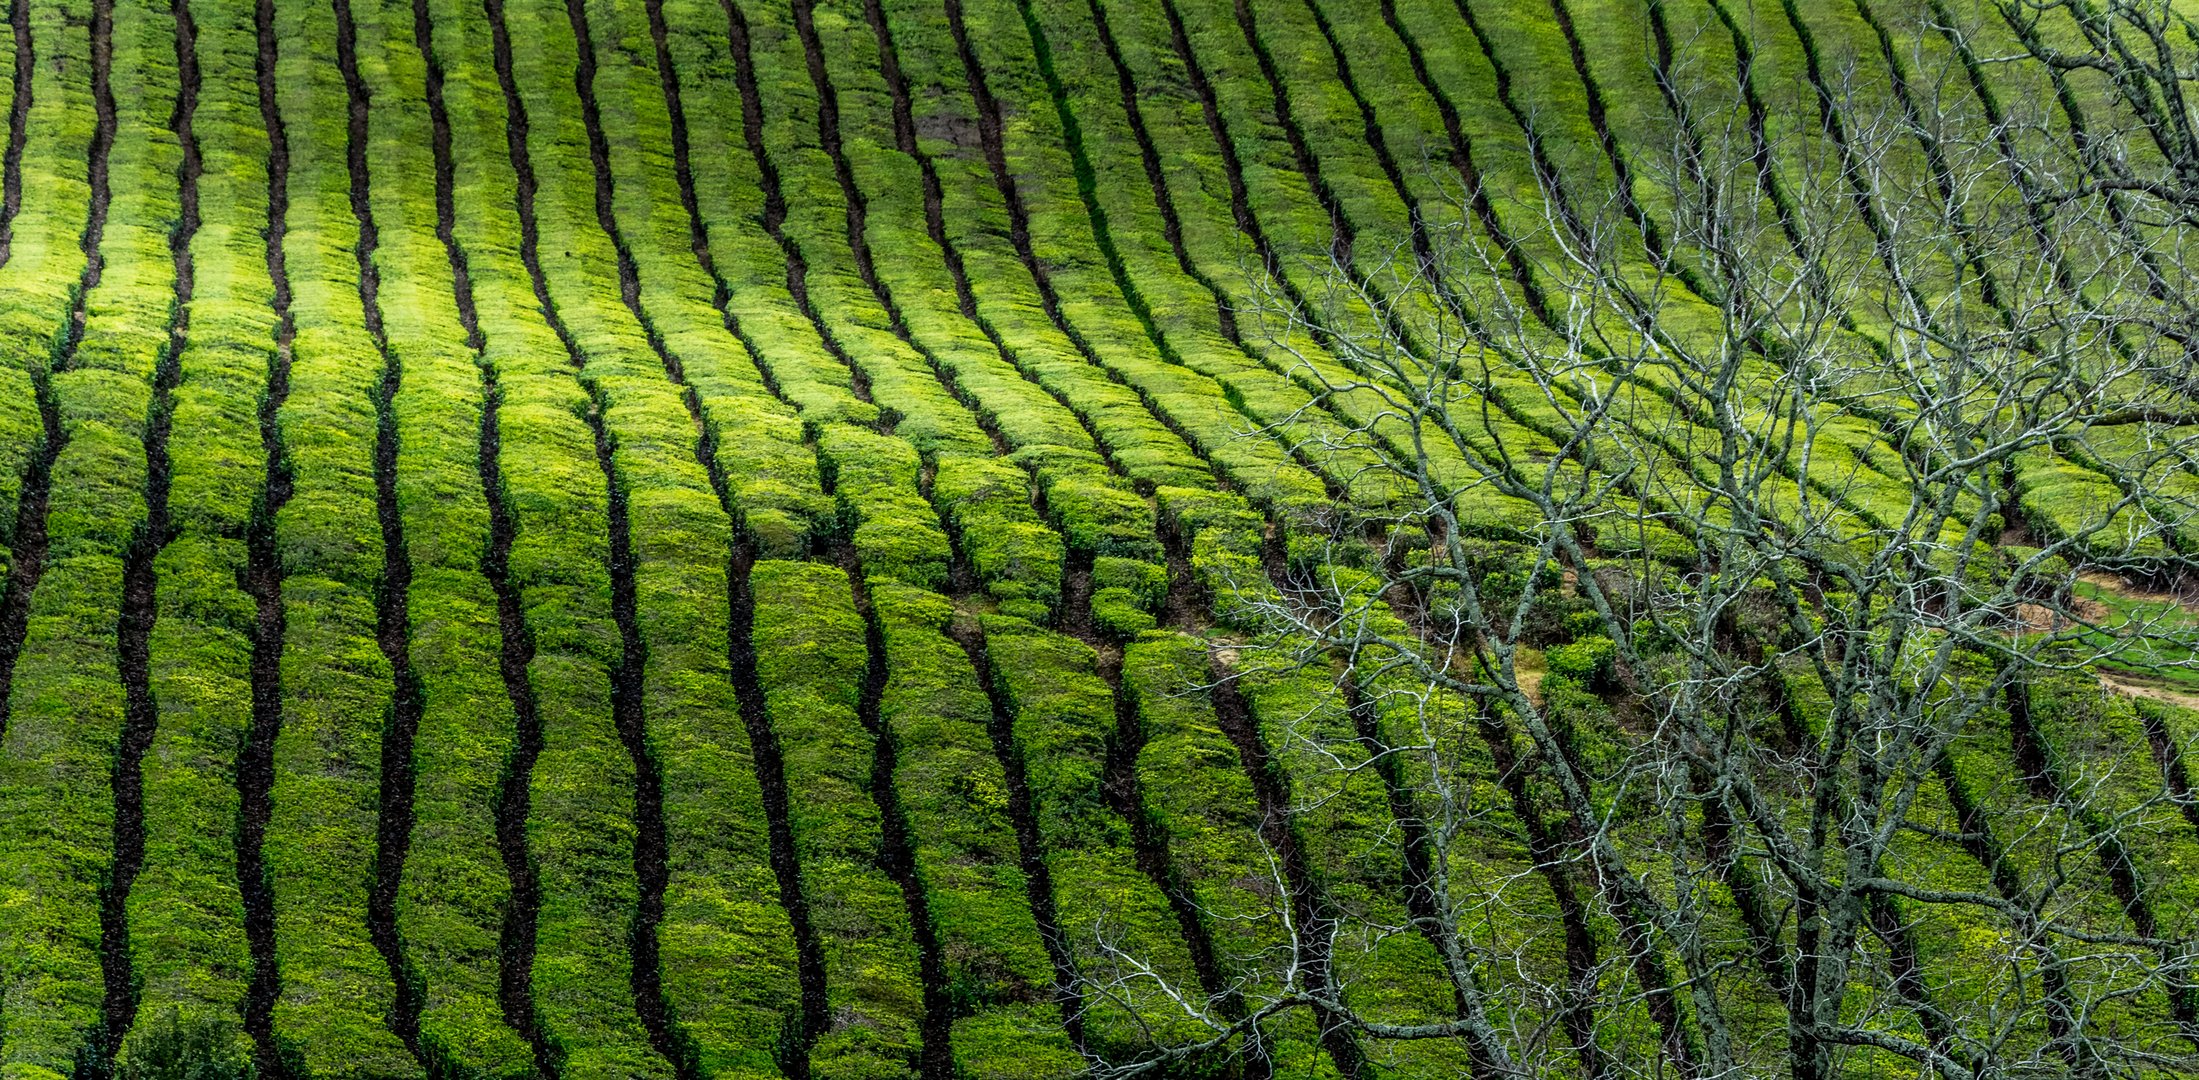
x=1586 y=662
x=770 y=476
x=1094 y=509
x=989 y=502
x=2067 y=500
x=186 y=914
x=1064 y=718
x=788 y=313
x=896 y=531
x=44 y=256
x=1118 y=613
x=810 y=658
x=1198 y=792
x=1171 y=304
x=1224 y=537
x=1125 y=594
x=1012 y=552
x=1280 y=201
x=1090 y=506
x=1196 y=789
x=1326 y=110
x=1144 y=584
x=61 y=736
x=56 y=802
x=454 y=884
x=1522 y=44
x=1396 y=973
x=579 y=830
x=2093 y=742
x=336 y=683
x=1093 y=304
x=1007 y=297
x=955 y=794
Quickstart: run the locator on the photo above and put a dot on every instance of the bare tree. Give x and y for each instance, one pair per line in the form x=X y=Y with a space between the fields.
x=1725 y=666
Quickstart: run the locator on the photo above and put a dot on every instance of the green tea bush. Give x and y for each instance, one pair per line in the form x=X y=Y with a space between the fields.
x=1063 y=725
x=812 y=659
x=1119 y=613
x=168 y=1047
x=895 y=531
x=1145 y=582
x=1585 y=663
x=1016 y=556
x=66 y=703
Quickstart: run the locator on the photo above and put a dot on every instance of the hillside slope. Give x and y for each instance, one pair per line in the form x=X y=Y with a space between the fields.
x=721 y=538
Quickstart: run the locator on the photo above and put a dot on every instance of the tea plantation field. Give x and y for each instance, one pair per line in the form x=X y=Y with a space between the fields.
x=700 y=538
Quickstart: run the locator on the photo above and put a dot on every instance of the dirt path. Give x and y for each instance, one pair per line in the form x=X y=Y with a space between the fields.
x=2134 y=686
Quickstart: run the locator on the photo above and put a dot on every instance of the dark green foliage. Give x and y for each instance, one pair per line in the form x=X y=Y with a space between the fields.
x=1501 y=574
x=168 y=1047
